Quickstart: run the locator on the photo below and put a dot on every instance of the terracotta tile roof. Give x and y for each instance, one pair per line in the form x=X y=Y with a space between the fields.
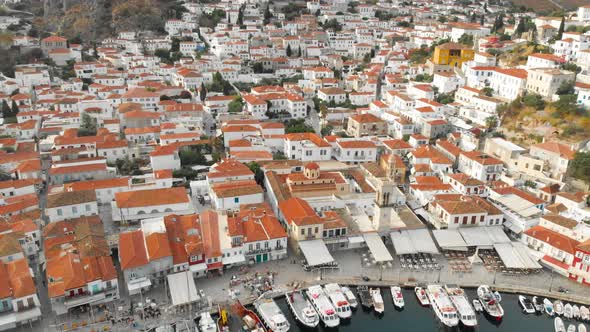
x=312 y=137
x=17 y=276
x=522 y=194
x=552 y=238
x=236 y=188
x=151 y=197
x=397 y=144
x=561 y=221
x=157 y=246
x=297 y=211
x=366 y=118
x=70 y=198
x=358 y=144
x=561 y=149
x=184 y=236
x=97 y=184
x=229 y=168
x=460 y=207
x=210 y=228
x=132 y=250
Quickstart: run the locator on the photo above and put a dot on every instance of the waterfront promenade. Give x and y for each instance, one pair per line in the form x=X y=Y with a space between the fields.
x=351 y=271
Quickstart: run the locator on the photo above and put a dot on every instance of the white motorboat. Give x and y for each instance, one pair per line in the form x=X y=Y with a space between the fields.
x=576 y=311
x=571 y=328
x=584 y=313
x=397 y=296
x=464 y=309
x=538 y=304
x=378 y=304
x=581 y=328
x=206 y=323
x=323 y=306
x=558 y=307
x=568 y=311
x=302 y=309
x=548 y=306
x=339 y=301
x=421 y=296
x=442 y=305
x=477 y=305
x=490 y=302
x=498 y=296
x=271 y=314
x=526 y=304
x=350 y=297
x=558 y=324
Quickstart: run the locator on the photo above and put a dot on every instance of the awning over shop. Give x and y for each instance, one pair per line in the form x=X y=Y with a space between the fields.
x=233 y=259
x=315 y=252
x=483 y=237
x=198 y=267
x=449 y=239
x=515 y=255
x=413 y=241
x=356 y=239
x=514 y=228
x=182 y=288
x=377 y=247
x=137 y=284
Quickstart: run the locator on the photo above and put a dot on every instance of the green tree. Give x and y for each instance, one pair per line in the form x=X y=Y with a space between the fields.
x=15 y=109
x=257 y=67
x=298 y=126
x=580 y=166
x=258 y=172
x=203 y=92
x=571 y=67
x=534 y=100
x=88 y=127
x=235 y=106
x=561 y=28
x=6 y=111
x=566 y=88
x=267 y=15
x=289 y=51
x=466 y=39
x=491 y=123
x=520 y=28
x=487 y=91
x=240 y=20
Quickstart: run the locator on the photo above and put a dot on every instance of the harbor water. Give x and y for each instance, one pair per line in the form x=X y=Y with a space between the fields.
x=416 y=318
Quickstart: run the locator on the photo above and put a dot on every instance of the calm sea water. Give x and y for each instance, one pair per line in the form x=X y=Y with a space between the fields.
x=416 y=318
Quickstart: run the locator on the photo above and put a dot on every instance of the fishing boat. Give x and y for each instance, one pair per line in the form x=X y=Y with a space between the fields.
x=378 y=304
x=548 y=306
x=302 y=309
x=271 y=314
x=334 y=292
x=477 y=305
x=421 y=296
x=576 y=311
x=538 y=304
x=464 y=309
x=581 y=327
x=558 y=324
x=206 y=323
x=323 y=306
x=568 y=311
x=584 y=313
x=350 y=297
x=365 y=296
x=397 y=296
x=571 y=328
x=558 y=307
x=490 y=303
x=442 y=305
x=249 y=318
x=526 y=304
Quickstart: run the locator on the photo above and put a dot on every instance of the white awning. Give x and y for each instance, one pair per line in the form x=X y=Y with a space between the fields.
x=497 y=234
x=315 y=252
x=138 y=284
x=413 y=241
x=514 y=255
x=233 y=259
x=182 y=288
x=449 y=239
x=9 y=320
x=356 y=239
x=198 y=267
x=514 y=228
x=476 y=237
x=377 y=247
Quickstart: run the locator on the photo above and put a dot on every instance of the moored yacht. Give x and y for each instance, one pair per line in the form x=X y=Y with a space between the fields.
x=548 y=306
x=206 y=323
x=302 y=309
x=271 y=314
x=339 y=301
x=538 y=304
x=397 y=296
x=421 y=296
x=526 y=304
x=350 y=297
x=490 y=302
x=365 y=296
x=378 y=304
x=442 y=305
x=461 y=302
x=323 y=306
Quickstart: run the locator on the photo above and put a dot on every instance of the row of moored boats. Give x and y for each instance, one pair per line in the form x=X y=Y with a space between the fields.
x=332 y=303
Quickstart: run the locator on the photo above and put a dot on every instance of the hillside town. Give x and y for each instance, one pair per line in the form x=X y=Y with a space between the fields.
x=265 y=137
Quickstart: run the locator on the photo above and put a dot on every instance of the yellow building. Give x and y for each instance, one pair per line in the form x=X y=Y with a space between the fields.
x=452 y=54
